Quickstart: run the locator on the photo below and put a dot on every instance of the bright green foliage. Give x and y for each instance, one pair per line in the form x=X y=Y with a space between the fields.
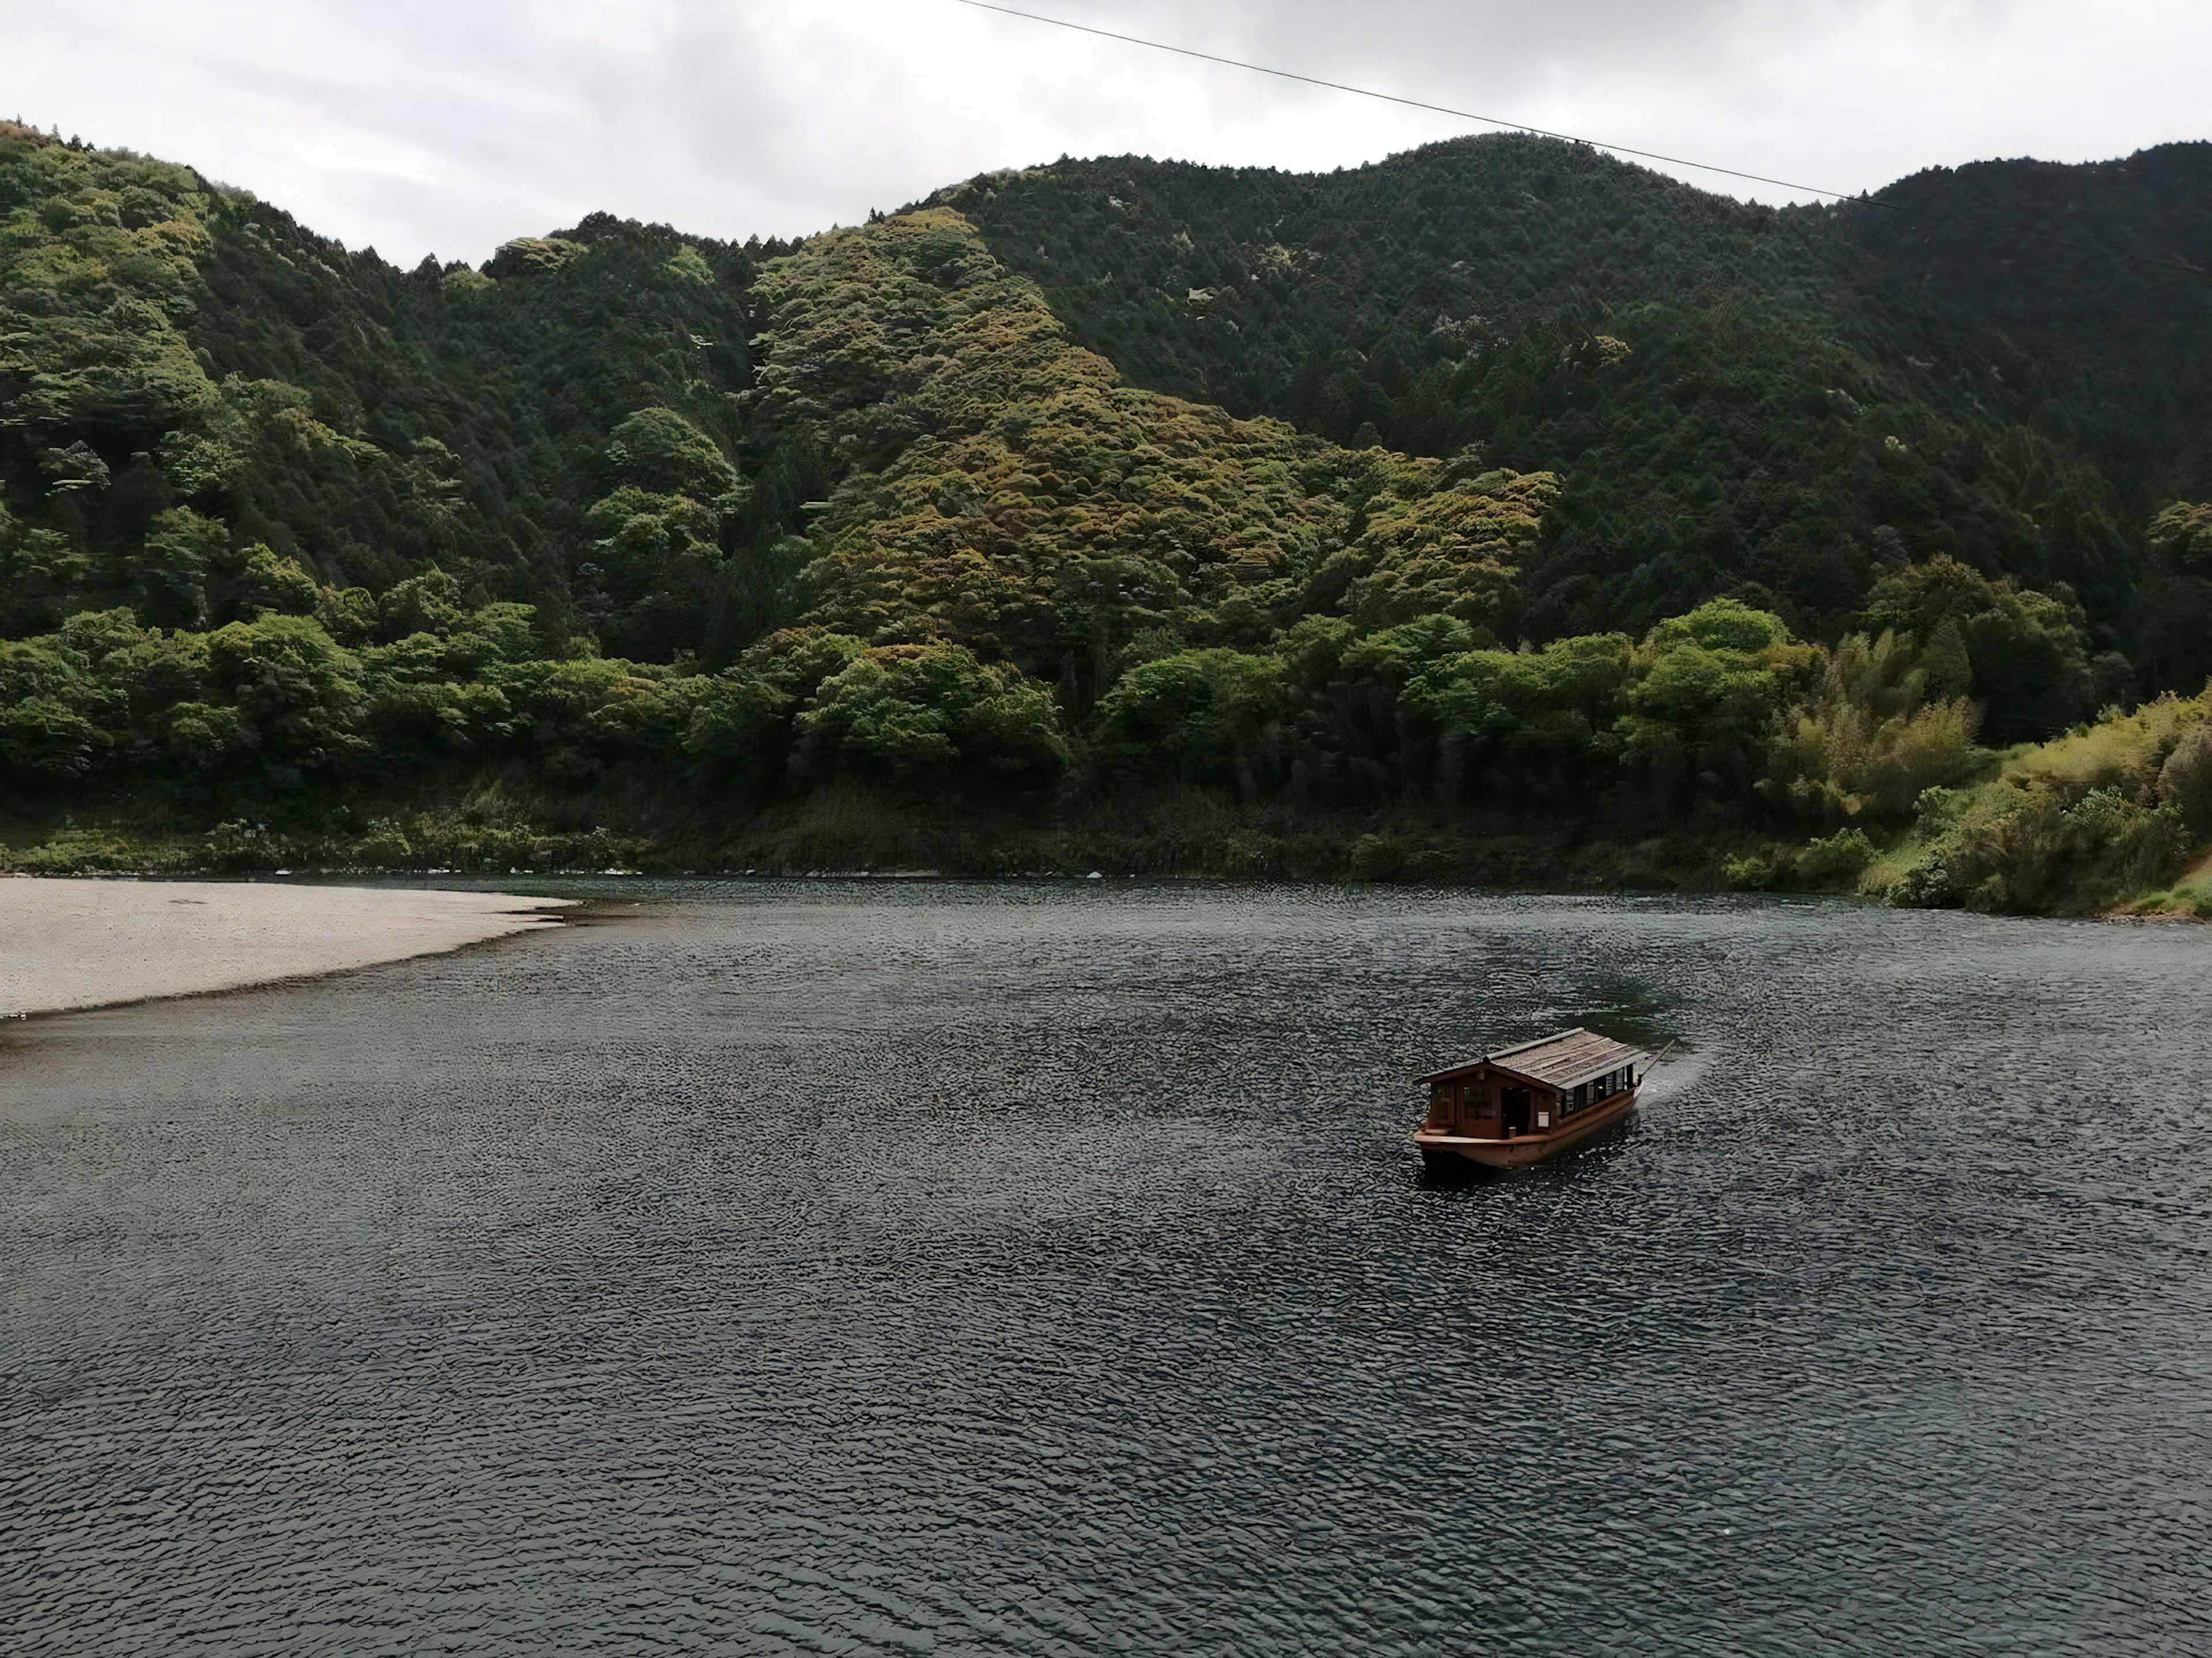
x=1199 y=716
x=2030 y=852
x=1835 y=863
x=182 y=550
x=527 y=255
x=99 y=256
x=1682 y=724
x=643 y=530
x=48 y=708
x=288 y=697
x=1702 y=709
x=2105 y=811
x=1532 y=706
x=2184 y=528
x=924 y=710
x=657 y=450
x=167 y=346
x=267 y=583
x=2185 y=781
x=795 y=661
x=42 y=573
x=738 y=725
x=1439 y=539
x=1878 y=734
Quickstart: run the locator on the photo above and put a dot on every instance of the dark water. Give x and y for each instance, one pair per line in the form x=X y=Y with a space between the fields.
x=821 y=1269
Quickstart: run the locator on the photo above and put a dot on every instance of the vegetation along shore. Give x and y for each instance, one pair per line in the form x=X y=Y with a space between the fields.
x=1499 y=513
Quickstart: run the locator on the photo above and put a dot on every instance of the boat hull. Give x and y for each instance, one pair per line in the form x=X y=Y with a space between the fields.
x=1444 y=1151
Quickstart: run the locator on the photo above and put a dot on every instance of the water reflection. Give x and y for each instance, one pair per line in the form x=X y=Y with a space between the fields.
x=985 y=1270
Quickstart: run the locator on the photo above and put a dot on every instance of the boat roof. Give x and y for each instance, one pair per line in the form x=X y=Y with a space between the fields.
x=1565 y=1059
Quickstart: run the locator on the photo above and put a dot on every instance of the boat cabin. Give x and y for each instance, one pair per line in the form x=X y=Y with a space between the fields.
x=1542 y=1087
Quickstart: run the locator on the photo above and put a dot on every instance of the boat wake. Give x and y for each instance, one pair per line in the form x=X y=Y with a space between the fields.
x=1675 y=1076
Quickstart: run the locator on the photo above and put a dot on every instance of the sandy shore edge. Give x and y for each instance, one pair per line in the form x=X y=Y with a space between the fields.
x=69 y=944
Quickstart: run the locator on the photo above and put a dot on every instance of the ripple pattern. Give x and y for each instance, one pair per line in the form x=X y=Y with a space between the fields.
x=978 y=1270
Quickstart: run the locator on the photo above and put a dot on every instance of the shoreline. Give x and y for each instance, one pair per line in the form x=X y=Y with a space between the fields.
x=67 y=945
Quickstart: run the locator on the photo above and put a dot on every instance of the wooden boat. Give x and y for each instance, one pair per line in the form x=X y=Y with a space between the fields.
x=1523 y=1105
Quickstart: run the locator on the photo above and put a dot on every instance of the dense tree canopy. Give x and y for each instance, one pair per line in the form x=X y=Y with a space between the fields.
x=1500 y=478
x=2005 y=365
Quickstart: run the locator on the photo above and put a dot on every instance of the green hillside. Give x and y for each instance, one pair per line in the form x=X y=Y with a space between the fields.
x=1775 y=404
x=1497 y=510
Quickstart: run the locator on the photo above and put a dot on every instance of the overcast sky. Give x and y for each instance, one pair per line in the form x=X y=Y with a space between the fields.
x=451 y=125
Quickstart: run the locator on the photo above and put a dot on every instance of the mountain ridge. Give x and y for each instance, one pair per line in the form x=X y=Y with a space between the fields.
x=1070 y=487
x=1831 y=337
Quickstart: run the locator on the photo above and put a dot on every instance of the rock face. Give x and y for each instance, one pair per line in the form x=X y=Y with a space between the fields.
x=89 y=944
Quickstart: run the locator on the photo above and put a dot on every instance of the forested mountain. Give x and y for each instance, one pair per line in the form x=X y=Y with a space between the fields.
x=2008 y=364
x=1497 y=483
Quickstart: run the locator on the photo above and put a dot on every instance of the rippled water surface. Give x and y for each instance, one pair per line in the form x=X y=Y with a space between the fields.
x=838 y=1268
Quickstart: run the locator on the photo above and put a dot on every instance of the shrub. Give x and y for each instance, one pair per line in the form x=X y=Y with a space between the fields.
x=2020 y=851
x=916 y=710
x=1838 y=861
x=2185 y=782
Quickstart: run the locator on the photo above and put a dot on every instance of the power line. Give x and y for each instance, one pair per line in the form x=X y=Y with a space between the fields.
x=1862 y=199
x=1409 y=103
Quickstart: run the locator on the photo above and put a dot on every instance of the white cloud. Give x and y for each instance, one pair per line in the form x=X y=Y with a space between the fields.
x=452 y=126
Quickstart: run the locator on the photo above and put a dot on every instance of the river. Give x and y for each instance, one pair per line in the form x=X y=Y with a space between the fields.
x=1038 y=1268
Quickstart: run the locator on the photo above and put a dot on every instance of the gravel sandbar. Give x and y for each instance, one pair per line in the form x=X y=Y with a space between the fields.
x=90 y=943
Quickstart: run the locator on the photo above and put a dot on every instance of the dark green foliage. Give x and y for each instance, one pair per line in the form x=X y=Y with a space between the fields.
x=2185 y=782
x=172 y=346
x=1113 y=482
x=2023 y=651
x=1770 y=403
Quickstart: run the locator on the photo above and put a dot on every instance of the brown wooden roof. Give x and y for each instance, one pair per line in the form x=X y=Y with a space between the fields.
x=1565 y=1059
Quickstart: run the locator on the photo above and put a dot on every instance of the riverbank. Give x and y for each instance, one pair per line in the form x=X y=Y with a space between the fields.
x=66 y=945
x=1176 y=834
x=2078 y=826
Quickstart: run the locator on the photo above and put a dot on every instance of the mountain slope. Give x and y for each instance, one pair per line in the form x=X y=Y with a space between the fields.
x=1499 y=490
x=1007 y=495
x=171 y=345
x=1776 y=403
